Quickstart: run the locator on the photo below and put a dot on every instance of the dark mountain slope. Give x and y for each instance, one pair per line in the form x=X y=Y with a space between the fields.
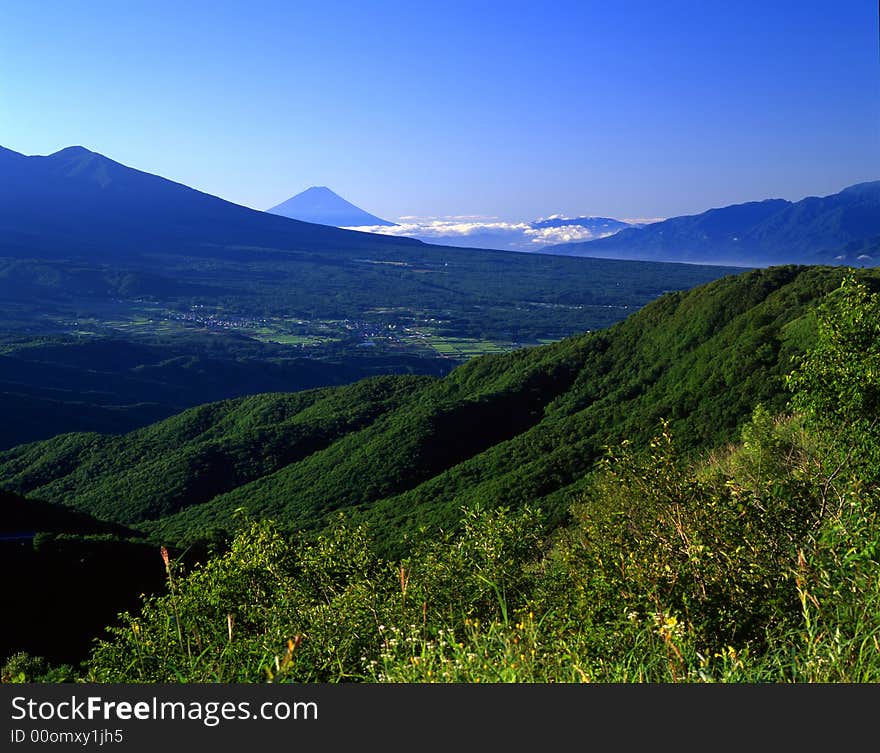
x=24 y=518
x=67 y=575
x=78 y=202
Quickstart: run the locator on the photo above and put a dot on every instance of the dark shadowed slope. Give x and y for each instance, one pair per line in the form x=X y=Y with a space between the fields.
x=78 y=202
x=67 y=575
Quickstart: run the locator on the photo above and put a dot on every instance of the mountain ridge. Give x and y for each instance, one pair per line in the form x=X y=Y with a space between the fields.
x=813 y=230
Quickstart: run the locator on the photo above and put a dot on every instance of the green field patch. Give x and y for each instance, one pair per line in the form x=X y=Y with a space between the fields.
x=464 y=347
x=294 y=339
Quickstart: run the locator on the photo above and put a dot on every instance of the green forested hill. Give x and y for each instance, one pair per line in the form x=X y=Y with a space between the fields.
x=756 y=561
x=404 y=452
x=191 y=457
x=52 y=385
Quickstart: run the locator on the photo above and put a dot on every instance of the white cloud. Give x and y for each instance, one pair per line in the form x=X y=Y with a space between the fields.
x=547 y=236
x=485 y=232
x=444 y=217
x=443 y=227
x=644 y=220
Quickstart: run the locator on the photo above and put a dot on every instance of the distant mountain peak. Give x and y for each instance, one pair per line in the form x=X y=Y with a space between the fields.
x=320 y=192
x=586 y=221
x=72 y=151
x=73 y=160
x=321 y=205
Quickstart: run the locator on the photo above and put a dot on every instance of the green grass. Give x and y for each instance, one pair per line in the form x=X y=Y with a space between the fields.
x=295 y=339
x=465 y=347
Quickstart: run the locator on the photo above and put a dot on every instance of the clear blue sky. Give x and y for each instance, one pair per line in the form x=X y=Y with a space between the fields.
x=631 y=108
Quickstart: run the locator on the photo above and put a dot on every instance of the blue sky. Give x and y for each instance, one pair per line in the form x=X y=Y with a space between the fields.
x=514 y=110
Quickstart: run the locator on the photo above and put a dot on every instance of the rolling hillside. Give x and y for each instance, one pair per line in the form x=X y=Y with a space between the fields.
x=403 y=452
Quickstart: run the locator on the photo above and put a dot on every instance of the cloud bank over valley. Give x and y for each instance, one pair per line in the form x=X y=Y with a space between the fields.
x=477 y=231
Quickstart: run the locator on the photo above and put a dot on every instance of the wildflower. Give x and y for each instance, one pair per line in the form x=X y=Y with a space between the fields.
x=668 y=626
